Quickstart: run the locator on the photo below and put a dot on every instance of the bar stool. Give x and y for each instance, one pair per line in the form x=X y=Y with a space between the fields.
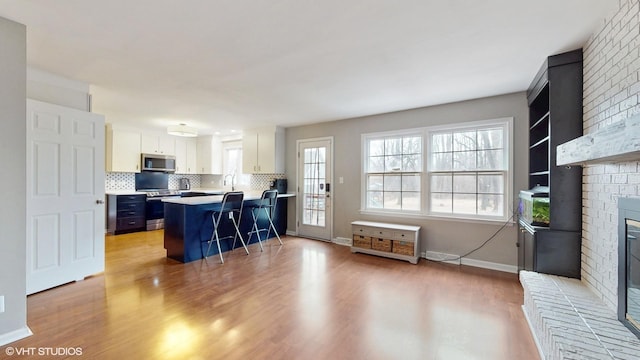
x=267 y=204
x=232 y=205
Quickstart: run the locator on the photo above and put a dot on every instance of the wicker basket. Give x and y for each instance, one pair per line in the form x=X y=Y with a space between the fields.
x=402 y=247
x=362 y=241
x=381 y=244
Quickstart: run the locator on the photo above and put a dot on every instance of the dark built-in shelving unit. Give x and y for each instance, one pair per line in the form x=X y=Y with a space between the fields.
x=555 y=117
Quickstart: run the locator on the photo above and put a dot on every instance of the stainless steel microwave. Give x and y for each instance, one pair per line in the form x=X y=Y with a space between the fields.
x=157 y=162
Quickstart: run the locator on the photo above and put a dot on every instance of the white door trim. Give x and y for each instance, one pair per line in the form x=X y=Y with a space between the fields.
x=330 y=178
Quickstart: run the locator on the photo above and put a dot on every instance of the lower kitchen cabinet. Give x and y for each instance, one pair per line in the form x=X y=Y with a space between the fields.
x=543 y=250
x=126 y=213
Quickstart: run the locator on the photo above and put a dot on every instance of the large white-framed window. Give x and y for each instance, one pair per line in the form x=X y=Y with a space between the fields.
x=393 y=171
x=448 y=171
x=468 y=170
x=232 y=163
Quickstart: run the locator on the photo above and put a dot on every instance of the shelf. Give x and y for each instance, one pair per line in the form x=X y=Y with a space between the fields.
x=546 y=139
x=555 y=113
x=366 y=232
x=616 y=142
x=543 y=118
x=539 y=173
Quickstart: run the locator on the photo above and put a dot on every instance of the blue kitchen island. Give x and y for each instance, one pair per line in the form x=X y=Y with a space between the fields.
x=188 y=225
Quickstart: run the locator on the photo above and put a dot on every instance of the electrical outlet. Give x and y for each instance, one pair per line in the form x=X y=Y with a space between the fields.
x=1 y=303
x=341 y=180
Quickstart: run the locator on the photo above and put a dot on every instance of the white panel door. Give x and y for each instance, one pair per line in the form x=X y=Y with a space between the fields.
x=65 y=195
x=314 y=188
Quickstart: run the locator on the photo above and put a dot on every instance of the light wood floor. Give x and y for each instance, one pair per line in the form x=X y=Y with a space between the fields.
x=305 y=300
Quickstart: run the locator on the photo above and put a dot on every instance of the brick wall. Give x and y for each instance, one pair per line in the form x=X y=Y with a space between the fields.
x=611 y=90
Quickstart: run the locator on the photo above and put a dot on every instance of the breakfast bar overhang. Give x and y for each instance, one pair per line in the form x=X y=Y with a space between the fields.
x=188 y=225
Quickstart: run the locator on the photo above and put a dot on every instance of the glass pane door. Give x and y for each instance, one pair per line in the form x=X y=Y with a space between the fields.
x=315 y=191
x=314 y=186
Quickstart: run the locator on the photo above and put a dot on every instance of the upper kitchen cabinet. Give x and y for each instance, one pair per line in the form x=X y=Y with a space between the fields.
x=209 y=155
x=263 y=151
x=186 y=156
x=158 y=144
x=122 y=150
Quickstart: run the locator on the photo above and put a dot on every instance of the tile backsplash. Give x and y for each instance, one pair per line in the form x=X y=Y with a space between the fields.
x=174 y=181
x=119 y=181
x=263 y=181
x=126 y=181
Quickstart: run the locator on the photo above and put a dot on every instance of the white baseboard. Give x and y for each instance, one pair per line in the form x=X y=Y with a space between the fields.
x=441 y=257
x=342 y=241
x=533 y=333
x=291 y=233
x=490 y=265
x=455 y=260
x=15 y=335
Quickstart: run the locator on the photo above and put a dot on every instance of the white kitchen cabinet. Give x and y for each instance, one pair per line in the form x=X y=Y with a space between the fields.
x=158 y=144
x=263 y=151
x=122 y=150
x=186 y=156
x=192 y=156
x=209 y=155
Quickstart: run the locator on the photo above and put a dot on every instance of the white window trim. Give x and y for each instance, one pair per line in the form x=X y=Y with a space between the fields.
x=242 y=180
x=363 y=171
x=424 y=212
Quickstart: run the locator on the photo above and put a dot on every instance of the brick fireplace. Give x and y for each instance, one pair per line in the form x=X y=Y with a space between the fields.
x=574 y=319
x=629 y=263
x=611 y=95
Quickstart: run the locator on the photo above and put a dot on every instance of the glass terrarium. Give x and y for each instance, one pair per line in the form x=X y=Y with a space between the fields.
x=534 y=206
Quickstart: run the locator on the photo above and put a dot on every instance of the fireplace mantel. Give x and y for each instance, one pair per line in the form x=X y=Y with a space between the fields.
x=619 y=141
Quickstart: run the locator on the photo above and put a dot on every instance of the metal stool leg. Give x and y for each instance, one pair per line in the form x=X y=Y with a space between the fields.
x=235 y=225
x=271 y=226
x=214 y=237
x=219 y=249
x=255 y=226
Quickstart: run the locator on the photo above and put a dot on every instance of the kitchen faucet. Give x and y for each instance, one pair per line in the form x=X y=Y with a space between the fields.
x=233 y=177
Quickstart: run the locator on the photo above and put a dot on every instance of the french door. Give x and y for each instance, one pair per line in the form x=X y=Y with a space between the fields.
x=65 y=195
x=315 y=213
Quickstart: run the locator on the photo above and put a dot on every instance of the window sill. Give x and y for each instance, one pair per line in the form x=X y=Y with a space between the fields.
x=406 y=215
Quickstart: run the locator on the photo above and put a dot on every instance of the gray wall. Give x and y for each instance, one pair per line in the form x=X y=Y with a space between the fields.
x=447 y=236
x=13 y=159
x=55 y=89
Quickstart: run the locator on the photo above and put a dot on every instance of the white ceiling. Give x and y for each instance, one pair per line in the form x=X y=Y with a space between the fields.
x=233 y=64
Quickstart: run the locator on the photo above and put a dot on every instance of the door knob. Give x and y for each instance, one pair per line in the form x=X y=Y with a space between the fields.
x=99 y=201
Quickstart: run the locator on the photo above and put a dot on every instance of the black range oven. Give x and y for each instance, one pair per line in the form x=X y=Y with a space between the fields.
x=156 y=187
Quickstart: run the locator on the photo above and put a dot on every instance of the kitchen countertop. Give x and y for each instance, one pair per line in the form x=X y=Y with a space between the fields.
x=212 y=191
x=123 y=192
x=212 y=199
x=134 y=192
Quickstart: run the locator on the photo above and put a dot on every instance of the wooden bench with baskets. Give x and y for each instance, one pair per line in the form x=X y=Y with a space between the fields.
x=390 y=240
